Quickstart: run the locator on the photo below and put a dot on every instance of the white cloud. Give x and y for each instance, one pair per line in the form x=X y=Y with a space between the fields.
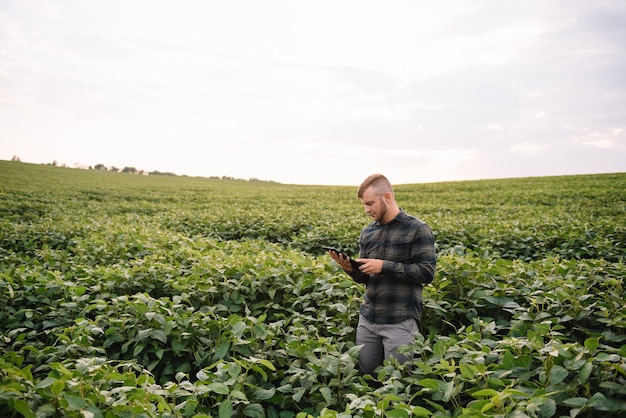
x=493 y=127
x=10 y=33
x=611 y=139
x=528 y=148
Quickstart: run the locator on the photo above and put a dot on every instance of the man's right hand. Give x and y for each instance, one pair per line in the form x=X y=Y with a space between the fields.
x=339 y=259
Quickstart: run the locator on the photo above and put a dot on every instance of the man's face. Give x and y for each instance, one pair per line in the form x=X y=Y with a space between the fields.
x=374 y=205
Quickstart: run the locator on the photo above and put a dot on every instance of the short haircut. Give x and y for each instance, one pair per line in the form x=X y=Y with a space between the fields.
x=380 y=184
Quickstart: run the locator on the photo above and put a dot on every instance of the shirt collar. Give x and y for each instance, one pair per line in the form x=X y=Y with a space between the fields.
x=400 y=217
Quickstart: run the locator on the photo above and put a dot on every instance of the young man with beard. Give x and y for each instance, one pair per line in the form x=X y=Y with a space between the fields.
x=397 y=256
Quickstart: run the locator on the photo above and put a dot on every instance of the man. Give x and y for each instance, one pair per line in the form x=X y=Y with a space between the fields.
x=397 y=252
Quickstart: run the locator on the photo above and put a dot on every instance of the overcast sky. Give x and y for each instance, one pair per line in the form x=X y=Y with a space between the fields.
x=317 y=92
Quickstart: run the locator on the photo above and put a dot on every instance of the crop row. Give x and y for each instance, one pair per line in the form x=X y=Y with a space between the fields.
x=261 y=328
x=566 y=237
x=574 y=217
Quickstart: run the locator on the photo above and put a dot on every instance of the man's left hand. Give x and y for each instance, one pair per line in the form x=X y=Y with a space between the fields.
x=371 y=265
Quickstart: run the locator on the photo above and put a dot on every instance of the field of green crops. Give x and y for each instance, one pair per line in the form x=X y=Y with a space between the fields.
x=163 y=296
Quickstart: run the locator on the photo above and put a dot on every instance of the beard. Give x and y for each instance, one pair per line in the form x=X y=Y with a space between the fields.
x=383 y=211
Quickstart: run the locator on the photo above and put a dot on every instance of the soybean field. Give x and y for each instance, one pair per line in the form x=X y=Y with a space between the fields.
x=169 y=296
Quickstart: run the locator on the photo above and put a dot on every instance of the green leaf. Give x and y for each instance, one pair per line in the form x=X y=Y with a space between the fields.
x=468 y=371
x=138 y=349
x=22 y=407
x=59 y=367
x=575 y=402
x=74 y=402
x=178 y=346
x=159 y=335
x=222 y=350
x=254 y=410
x=448 y=392
x=238 y=394
x=267 y=364
x=558 y=374
x=339 y=307
x=190 y=407
x=508 y=360
x=523 y=361
x=592 y=344
x=285 y=388
x=485 y=406
x=260 y=371
x=264 y=394
x=47 y=410
x=238 y=329
x=159 y=353
x=511 y=305
x=226 y=409
x=420 y=411
x=585 y=372
x=612 y=358
x=298 y=393
x=547 y=408
x=440 y=349
x=219 y=388
x=435 y=405
x=598 y=399
x=614 y=387
x=142 y=334
x=325 y=391
x=430 y=383
x=57 y=387
x=397 y=413
x=47 y=382
x=485 y=393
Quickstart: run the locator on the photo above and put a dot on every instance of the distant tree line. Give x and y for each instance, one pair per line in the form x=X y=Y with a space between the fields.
x=130 y=170
x=133 y=170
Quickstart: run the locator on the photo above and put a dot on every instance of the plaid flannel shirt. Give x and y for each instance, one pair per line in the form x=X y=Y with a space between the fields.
x=407 y=246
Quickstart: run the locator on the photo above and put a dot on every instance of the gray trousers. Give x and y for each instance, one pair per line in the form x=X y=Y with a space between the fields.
x=381 y=341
